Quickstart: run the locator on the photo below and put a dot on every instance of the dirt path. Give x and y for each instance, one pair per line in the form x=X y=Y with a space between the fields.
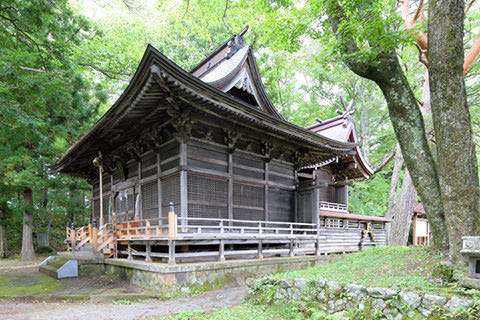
x=90 y=310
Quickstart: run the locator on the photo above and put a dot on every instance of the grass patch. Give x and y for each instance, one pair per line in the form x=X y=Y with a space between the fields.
x=244 y=311
x=14 y=286
x=393 y=267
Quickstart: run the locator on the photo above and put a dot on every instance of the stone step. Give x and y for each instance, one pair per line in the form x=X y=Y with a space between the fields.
x=57 y=263
x=49 y=270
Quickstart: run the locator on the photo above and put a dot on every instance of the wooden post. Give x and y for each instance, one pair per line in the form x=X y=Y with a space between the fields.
x=159 y=187
x=221 y=250
x=183 y=186
x=74 y=237
x=148 y=248
x=265 y=196
x=90 y=229
x=95 y=236
x=230 y=187
x=67 y=235
x=317 y=248
x=129 y=249
x=292 y=252
x=260 y=232
x=171 y=251
x=172 y=222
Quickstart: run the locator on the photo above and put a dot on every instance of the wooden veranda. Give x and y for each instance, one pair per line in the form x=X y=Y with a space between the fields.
x=207 y=239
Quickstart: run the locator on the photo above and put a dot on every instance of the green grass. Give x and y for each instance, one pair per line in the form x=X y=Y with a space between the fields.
x=393 y=267
x=246 y=311
x=13 y=287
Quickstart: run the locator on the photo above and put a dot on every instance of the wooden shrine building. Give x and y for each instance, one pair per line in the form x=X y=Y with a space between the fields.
x=210 y=142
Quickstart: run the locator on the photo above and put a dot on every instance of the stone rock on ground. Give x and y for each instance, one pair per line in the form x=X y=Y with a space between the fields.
x=429 y=301
x=411 y=299
x=455 y=303
x=382 y=293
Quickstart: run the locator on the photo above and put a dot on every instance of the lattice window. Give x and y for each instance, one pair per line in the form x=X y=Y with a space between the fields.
x=249 y=161
x=249 y=173
x=171 y=190
x=205 y=211
x=248 y=214
x=150 y=200
x=96 y=210
x=206 y=189
x=247 y=195
x=280 y=205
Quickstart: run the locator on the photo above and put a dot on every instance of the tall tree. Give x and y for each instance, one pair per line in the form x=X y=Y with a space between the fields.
x=451 y=120
x=367 y=37
x=44 y=101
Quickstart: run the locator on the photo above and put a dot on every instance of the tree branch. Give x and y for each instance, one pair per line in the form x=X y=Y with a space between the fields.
x=469 y=5
x=418 y=11
x=471 y=55
x=380 y=164
x=108 y=73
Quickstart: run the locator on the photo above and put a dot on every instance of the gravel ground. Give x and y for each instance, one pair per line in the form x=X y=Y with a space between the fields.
x=89 y=310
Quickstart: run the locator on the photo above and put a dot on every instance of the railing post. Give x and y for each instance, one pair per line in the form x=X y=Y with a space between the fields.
x=90 y=236
x=95 y=236
x=291 y=229
x=221 y=226
x=317 y=248
x=129 y=249
x=67 y=236
x=74 y=237
x=221 y=250
x=260 y=232
x=172 y=222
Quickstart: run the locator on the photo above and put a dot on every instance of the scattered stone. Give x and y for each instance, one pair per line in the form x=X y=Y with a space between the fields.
x=429 y=301
x=319 y=284
x=285 y=283
x=334 y=287
x=357 y=292
x=470 y=283
x=252 y=283
x=379 y=304
x=301 y=284
x=382 y=293
x=411 y=299
x=456 y=303
x=424 y=312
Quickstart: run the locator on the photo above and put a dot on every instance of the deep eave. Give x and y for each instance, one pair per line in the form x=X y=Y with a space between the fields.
x=154 y=64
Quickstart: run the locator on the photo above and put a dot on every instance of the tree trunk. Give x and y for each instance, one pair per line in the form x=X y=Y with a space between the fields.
x=405 y=115
x=403 y=213
x=392 y=198
x=451 y=121
x=408 y=124
x=3 y=230
x=27 y=237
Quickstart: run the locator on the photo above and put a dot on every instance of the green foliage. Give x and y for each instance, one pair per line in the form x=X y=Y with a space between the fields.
x=394 y=267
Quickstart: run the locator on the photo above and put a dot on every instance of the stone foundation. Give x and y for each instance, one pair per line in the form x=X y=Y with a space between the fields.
x=173 y=280
x=353 y=301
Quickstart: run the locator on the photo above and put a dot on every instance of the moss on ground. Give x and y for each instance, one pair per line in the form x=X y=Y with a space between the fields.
x=14 y=286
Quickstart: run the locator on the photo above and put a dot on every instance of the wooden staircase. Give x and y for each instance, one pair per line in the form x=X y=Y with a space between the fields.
x=90 y=240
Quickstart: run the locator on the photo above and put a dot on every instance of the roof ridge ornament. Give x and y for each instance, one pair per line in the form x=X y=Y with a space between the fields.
x=236 y=44
x=347 y=111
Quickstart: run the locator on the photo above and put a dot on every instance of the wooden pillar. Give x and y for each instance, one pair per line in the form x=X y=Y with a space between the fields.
x=129 y=249
x=317 y=246
x=221 y=250
x=260 y=232
x=159 y=187
x=292 y=252
x=183 y=186
x=266 y=209
x=90 y=230
x=230 y=186
x=171 y=251
x=95 y=236
x=138 y=186
x=148 y=249
x=172 y=222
